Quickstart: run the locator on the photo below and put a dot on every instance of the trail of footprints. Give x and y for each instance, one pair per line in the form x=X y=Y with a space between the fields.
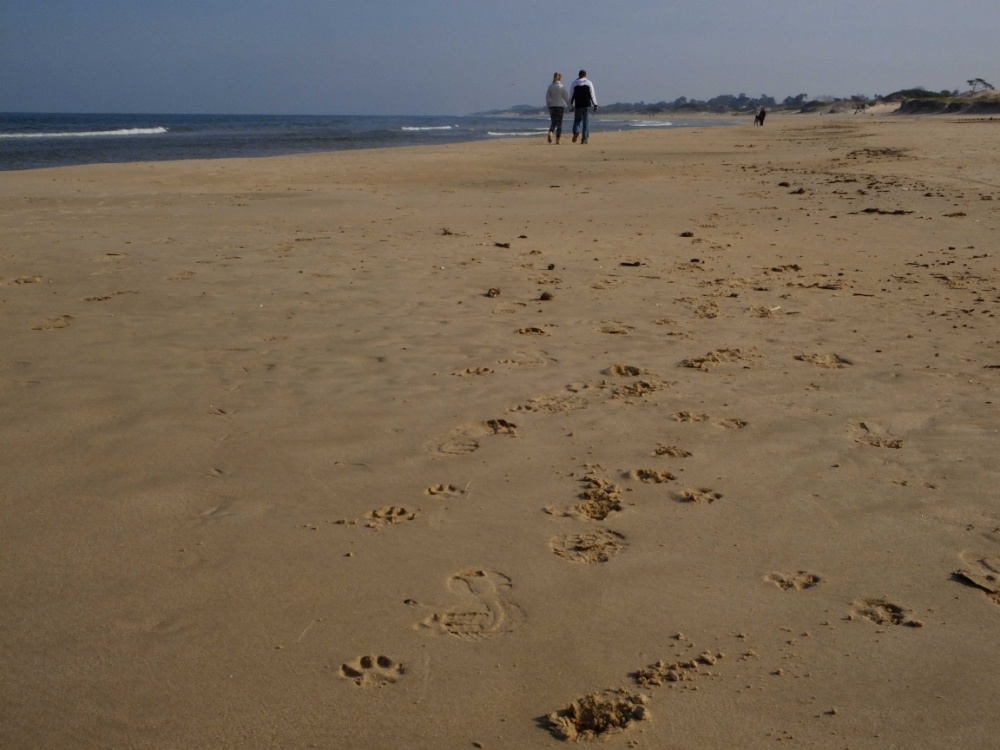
x=482 y=603
x=483 y=606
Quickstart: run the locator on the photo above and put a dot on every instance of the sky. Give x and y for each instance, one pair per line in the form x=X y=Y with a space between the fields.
x=454 y=57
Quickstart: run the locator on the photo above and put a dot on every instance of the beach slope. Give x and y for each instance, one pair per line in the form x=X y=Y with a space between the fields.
x=688 y=436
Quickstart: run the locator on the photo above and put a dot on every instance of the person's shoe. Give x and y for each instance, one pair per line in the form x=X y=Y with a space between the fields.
x=575 y=136
x=557 y=140
x=550 y=136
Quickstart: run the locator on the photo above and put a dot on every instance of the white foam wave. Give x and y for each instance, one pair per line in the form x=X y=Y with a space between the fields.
x=436 y=127
x=88 y=133
x=651 y=124
x=497 y=134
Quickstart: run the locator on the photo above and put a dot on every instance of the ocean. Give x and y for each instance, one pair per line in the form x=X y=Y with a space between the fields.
x=32 y=141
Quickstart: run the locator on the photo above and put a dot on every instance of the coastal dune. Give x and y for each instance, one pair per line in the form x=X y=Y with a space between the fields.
x=682 y=439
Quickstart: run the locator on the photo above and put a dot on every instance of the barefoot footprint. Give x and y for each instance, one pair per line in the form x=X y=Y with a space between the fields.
x=485 y=610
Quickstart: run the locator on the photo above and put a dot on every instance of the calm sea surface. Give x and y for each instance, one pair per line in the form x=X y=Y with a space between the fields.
x=31 y=141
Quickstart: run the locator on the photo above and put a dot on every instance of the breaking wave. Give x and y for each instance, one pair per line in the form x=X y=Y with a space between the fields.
x=88 y=133
x=513 y=133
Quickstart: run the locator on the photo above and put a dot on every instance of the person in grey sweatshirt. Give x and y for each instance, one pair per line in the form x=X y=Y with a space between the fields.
x=556 y=99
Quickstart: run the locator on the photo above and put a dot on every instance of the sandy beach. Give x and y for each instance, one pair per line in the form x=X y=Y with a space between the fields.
x=681 y=439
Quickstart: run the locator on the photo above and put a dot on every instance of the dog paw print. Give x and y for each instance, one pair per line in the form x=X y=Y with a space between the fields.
x=798 y=581
x=883 y=612
x=699 y=496
x=372 y=671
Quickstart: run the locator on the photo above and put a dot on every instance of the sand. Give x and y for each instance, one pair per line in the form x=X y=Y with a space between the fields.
x=682 y=439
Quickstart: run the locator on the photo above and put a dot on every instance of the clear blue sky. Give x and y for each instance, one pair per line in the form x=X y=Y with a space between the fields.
x=462 y=56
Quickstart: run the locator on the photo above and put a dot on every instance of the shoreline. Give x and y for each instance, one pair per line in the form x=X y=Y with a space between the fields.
x=422 y=446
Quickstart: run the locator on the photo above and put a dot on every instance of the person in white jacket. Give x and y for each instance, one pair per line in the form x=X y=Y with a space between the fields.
x=583 y=97
x=556 y=99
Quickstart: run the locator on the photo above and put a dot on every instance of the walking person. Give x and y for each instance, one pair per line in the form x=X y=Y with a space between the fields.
x=556 y=99
x=583 y=97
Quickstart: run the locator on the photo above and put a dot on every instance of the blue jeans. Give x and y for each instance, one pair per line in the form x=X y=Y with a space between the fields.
x=581 y=122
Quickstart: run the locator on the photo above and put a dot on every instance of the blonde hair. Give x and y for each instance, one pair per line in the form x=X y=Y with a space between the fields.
x=556 y=77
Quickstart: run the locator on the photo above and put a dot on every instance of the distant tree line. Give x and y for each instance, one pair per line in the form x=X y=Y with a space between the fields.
x=738 y=103
x=723 y=103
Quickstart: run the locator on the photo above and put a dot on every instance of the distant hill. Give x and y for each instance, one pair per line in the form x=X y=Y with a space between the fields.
x=918 y=102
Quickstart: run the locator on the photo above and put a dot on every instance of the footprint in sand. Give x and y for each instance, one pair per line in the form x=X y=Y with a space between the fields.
x=508 y=307
x=798 y=581
x=651 y=476
x=708 y=311
x=600 y=499
x=590 y=547
x=883 y=612
x=761 y=311
x=485 y=609
x=639 y=389
x=372 y=671
x=53 y=324
x=715 y=358
x=982 y=572
x=598 y=715
x=874 y=435
x=624 y=371
x=554 y=404
x=106 y=297
x=474 y=371
x=699 y=496
x=448 y=490
x=531 y=331
x=687 y=416
x=732 y=424
x=827 y=361
x=457 y=445
x=673 y=451
x=676 y=672
x=616 y=329
x=390 y=515
x=527 y=359
x=465 y=439
x=501 y=427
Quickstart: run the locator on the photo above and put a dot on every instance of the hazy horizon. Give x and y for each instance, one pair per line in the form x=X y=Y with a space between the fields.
x=443 y=57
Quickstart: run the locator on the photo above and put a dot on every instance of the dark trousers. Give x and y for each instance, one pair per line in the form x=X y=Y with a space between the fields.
x=555 y=120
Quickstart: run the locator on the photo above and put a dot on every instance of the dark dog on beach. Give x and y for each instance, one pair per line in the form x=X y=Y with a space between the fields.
x=759 y=119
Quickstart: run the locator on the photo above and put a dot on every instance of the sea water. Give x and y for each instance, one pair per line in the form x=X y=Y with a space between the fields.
x=31 y=141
